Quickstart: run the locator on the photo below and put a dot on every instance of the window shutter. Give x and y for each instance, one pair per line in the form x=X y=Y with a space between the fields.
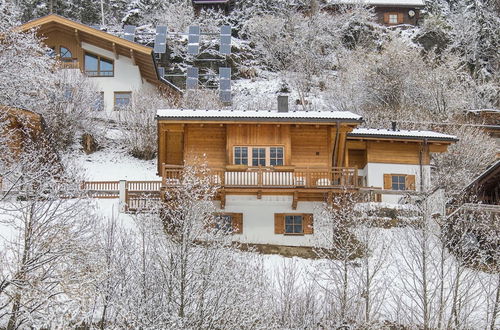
x=237 y=223
x=387 y=181
x=400 y=18
x=410 y=182
x=386 y=18
x=308 y=224
x=279 y=223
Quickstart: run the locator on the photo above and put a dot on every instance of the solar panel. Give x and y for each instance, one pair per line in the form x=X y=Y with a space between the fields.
x=225 y=96
x=225 y=85
x=225 y=40
x=225 y=73
x=192 y=78
x=194 y=40
x=161 y=40
x=161 y=72
x=129 y=32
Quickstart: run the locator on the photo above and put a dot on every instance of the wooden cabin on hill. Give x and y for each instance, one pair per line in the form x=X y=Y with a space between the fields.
x=275 y=169
x=117 y=66
x=388 y=12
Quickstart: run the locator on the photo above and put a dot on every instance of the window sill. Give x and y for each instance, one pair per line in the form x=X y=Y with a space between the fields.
x=294 y=234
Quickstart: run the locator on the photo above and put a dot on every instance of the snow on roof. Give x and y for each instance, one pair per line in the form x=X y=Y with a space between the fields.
x=259 y=115
x=391 y=3
x=404 y=134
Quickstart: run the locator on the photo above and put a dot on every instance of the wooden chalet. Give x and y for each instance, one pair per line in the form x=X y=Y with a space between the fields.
x=119 y=67
x=388 y=12
x=223 y=5
x=275 y=168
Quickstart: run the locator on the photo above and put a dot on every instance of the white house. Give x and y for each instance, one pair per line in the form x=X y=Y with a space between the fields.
x=275 y=169
x=118 y=67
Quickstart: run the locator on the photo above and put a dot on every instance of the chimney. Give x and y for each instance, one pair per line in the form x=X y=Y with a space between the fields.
x=393 y=123
x=282 y=103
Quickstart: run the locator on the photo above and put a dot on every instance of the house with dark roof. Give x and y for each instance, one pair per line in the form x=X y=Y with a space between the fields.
x=117 y=66
x=388 y=12
x=275 y=168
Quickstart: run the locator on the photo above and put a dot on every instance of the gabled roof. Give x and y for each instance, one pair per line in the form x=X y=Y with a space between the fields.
x=141 y=55
x=382 y=3
x=401 y=134
x=257 y=116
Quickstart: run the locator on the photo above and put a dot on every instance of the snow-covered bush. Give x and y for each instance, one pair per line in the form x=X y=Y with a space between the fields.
x=138 y=123
x=464 y=160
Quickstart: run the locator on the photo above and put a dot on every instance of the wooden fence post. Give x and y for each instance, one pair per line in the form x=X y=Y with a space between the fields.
x=122 y=188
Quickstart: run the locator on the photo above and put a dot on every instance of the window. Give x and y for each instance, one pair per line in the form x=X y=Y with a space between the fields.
x=122 y=100
x=97 y=66
x=393 y=18
x=258 y=156
x=240 y=155
x=231 y=223
x=399 y=181
x=65 y=55
x=276 y=156
x=261 y=156
x=224 y=222
x=293 y=224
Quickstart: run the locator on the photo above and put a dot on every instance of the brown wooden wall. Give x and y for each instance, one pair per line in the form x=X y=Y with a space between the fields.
x=395 y=153
x=305 y=145
x=208 y=140
x=403 y=17
x=311 y=146
x=57 y=39
x=258 y=135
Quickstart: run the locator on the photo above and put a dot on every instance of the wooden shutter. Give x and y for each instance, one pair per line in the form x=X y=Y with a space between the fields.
x=410 y=182
x=401 y=18
x=386 y=18
x=387 y=181
x=307 y=222
x=279 y=223
x=237 y=223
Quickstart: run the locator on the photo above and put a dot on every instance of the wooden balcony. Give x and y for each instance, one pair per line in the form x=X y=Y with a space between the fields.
x=270 y=177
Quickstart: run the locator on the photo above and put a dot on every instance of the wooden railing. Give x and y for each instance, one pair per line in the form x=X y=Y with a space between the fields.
x=102 y=189
x=268 y=177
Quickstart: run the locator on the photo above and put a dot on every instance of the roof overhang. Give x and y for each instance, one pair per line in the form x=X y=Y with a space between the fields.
x=416 y=136
x=269 y=117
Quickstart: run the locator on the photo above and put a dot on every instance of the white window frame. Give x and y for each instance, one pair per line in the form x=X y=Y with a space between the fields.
x=393 y=18
x=267 y=155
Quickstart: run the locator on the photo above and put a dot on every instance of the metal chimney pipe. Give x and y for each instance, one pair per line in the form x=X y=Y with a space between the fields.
x=393 y=123
x=282 y=103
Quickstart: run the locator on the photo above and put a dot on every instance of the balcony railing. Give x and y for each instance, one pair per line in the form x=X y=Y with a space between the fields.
x=269 y=177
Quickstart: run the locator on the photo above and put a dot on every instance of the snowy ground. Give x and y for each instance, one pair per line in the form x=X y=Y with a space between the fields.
x=112 y=162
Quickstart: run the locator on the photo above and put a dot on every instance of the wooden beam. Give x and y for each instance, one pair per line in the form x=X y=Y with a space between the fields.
x=341 y=149
x=115 y=52
x=295 y=200
x=222 y=199
x=132 y=56
x=78 y=40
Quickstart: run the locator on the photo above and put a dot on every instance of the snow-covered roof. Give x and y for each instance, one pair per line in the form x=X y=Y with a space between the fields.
x=403 y=134
x=388 y=3
x=209 y=1
x=263 y=115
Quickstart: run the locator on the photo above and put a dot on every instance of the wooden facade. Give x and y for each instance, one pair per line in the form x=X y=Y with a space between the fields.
x=312 y=158
x=361 y=151
x=58 y=32
x=305 y=145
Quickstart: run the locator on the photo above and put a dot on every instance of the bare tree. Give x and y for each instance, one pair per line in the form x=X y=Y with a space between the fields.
x=339 y=247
